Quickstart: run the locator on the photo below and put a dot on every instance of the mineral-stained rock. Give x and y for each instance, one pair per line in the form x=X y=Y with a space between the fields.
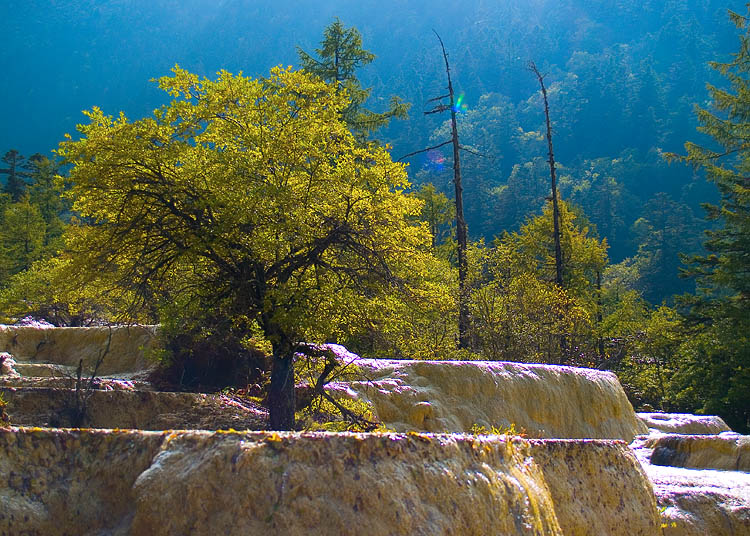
x=726 y=451
x=71 y=482
x=434 y=396
x=684 y=423
x=697 y=502
x=124 y=347
x=45 y=370
x=7 y=365
x=105 y=384
x=451 y=396
x=96 y=482
x=145 y=410
x=700 y=512
x=567 y=464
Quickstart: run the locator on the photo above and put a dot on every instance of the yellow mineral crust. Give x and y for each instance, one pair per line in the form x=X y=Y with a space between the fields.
x=66 y=346
x=158 y=483
x=451 y=396
x=684 y=423
x=729 y=452
x=623 y=487
x=697 y=502
x=70 y=482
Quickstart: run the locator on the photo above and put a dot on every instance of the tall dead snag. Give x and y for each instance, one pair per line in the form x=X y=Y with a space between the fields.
x=599 y=317
x=461 y=230
x=553 y=178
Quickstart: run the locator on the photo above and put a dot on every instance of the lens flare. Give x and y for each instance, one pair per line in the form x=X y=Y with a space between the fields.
x=434 y=161
x=460 y=105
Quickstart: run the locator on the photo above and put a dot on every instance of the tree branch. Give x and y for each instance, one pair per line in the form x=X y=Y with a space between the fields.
x=438 y=109
x=441 y=97
x=472 y=151
x=424 y=150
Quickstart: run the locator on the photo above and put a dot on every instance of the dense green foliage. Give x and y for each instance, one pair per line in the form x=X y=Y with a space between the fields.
x=339 y=57
x=618 y=98
x=31 y=213
x=699 y=360
x=243 y=206
x=250 y=216
x=716 y=367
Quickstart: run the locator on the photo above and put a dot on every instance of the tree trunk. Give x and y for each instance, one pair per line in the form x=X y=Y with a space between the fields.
x=461 y=229
x=599 y=316
x=555 y=208
x=281 y=403
x=553 y=180
x=461 y=238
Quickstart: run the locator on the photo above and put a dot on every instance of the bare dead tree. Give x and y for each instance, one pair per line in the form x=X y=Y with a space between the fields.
x=84 y=387
x=333 y=369
x=553 y=179
x=599 y=316
x=461 y=228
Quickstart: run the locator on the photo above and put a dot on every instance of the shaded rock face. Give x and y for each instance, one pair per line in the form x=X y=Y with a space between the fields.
x=265 y=483
x=730 y=452
x=567 y=463
x=67 y=382
x=127 y=408
x=125 y=346
x=684 y=423
x=451 y=396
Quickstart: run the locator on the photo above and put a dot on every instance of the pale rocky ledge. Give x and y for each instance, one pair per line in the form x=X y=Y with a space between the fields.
x=599 y=468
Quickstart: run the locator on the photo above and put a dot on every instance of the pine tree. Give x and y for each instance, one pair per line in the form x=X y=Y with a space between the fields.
x=717 y=375
x=665 y=229
x=339 y=56
x=15 y=185
x=46 y=195
x=22 y=231
x=725 y=272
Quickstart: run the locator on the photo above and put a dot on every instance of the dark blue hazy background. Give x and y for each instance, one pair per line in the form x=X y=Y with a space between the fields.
x=624 y=78
x=60 y=57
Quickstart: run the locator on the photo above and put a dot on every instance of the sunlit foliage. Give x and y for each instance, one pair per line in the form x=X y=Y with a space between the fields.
x=244 y=198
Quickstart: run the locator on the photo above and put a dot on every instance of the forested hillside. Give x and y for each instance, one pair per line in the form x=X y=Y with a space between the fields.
x=625 y=82
x=623 y=79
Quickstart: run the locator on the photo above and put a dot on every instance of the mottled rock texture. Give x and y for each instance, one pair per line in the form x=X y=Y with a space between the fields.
x=684 y=423
x=730 y=452
x=96 y=482
x=7 y=365
x=450 y=396
x=45 y=370
x=67 y=382
x=692 y=511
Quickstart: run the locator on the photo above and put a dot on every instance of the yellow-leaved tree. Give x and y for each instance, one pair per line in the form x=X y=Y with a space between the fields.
x=520 y=313
x=249 y=200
